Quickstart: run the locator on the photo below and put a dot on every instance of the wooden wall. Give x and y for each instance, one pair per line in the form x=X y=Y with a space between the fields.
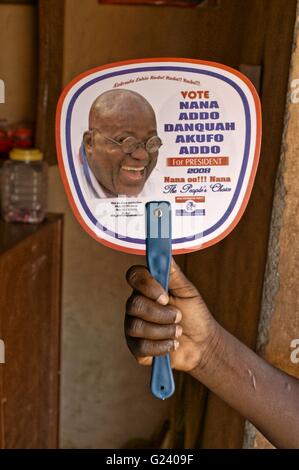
x=279 y=326
x=229 y=275
x=30 y=306
x=18 y=61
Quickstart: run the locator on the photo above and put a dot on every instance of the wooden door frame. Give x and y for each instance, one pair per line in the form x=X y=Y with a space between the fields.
x=50 y=83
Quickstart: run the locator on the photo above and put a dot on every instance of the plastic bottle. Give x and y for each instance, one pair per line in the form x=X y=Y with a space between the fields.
x=24 y=186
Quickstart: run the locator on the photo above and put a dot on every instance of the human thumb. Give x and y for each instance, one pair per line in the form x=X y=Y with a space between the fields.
x=179 y=284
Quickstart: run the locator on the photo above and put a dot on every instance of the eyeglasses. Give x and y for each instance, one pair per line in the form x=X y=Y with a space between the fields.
x=131 y=144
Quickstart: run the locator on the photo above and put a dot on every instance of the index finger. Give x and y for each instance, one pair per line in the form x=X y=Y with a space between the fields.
x=140 y=279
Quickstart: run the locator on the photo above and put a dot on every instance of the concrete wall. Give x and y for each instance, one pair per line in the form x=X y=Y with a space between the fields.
x=18 y=61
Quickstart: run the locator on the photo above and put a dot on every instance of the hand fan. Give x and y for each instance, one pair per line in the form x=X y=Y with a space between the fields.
x=158 y=157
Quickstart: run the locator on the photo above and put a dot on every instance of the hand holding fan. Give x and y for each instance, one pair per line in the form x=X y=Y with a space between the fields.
x=158 y=157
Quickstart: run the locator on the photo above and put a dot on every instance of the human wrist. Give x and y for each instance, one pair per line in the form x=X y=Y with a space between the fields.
x=211 y=352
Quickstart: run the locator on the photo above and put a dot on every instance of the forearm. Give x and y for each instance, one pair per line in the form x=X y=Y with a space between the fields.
x=266 y=396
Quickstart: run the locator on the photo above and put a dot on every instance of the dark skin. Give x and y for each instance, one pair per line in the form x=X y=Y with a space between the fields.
x=118 y=114
x=179 y=323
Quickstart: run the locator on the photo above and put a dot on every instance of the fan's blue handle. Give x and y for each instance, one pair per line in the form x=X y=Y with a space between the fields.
x=158 y=254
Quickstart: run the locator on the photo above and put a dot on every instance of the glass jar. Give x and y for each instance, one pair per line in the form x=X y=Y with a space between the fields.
x=24 y=186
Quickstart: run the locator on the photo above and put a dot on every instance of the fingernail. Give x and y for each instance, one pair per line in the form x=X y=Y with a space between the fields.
x=162 y=299
x=176 y=344
x=178 y=331
x=178 y=317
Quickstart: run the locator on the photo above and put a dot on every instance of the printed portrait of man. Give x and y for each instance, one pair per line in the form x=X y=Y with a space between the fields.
x=120 y=149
